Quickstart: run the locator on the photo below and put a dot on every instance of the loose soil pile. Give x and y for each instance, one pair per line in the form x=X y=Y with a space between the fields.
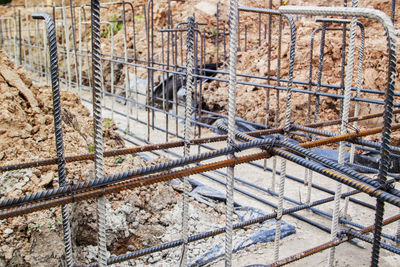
x=26 y=134
x=136 y=219
x=251 y=100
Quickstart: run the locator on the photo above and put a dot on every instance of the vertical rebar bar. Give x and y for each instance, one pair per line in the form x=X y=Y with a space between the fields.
x=146 y=19
x=343 y=129
x=233 y=42
x=386 y=132
x=307 y=172
x=52 y=41
x=29 y=34
x=286 y=131
x=277 y=94
x=80 y=48
x=20 y=36
x=164 y=76
x=186 y=152
x=66 y=29
x=217 y=35
x=135 y=61
x=127 y=90
x=357 y=104
x=45 y=51
x=98 y=127
x=267 y=98
x=72 y=13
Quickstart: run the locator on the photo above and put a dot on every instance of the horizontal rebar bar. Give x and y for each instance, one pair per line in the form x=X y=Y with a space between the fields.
x=218 y=231
x=124 y=151
x=329 y=244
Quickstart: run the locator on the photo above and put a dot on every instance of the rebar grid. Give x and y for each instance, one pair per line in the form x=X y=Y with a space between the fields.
x=107 y=185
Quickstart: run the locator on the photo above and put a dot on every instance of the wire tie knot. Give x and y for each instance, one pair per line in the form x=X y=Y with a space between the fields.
x=385 y=186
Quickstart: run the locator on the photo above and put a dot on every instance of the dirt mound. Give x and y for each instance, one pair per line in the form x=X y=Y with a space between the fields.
x=26 y=134
x=252 y=100
x=136 y=219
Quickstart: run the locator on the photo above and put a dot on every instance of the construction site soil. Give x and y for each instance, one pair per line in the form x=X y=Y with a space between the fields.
x=142 y=218
x=251 y=100
x=136 y=218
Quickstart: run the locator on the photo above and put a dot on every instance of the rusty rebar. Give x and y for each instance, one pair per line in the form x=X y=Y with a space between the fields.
x=197 y=141
x=329 y=244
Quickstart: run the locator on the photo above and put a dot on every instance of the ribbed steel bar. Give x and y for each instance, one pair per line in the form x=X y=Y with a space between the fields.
x=102 y=188
x=329 y=244
x=287 y=113
x=365 y=238
x=204 y=235
x=168 y=165
x=308 y=175
x=345 y=108
x=357 y=104
x=286 y=129
x=132 y=173
x=388 y=113
x=188 y=115
x=376 y=145
x=72 y=14
x=134 y=182
x=90 y=156
x=351 y=135
x=98 y=127
x=52 y=41
x=233 y=47
x=322 y=160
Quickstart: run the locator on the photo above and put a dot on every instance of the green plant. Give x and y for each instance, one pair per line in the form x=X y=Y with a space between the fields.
x=34 y=227
x=127 y=132
x=91 y=148
x=115 y=26
x=51 y=226
x=213 y=31
x=138 y=17
x=108 y=123
x=119 y=159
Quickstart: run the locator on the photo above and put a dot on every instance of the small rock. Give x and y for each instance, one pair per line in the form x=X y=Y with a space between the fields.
x=135 y=224
x=207 y=8
x=8 y=252
x=13 y=181
x=8 y=231
x=46 y=179
x=177 y=185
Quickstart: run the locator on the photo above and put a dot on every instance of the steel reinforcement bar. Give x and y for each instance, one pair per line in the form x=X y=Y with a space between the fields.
x=221 y=230
x=106 y=188
x=164 y=166
x=197 y=141
x=329 y=244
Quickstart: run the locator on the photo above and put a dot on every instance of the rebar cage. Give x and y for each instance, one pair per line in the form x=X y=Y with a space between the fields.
x=165 y=82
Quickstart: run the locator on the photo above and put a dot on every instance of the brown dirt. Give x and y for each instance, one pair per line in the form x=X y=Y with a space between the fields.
x=251 y=100
x=26 y=134
x=27 y=121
